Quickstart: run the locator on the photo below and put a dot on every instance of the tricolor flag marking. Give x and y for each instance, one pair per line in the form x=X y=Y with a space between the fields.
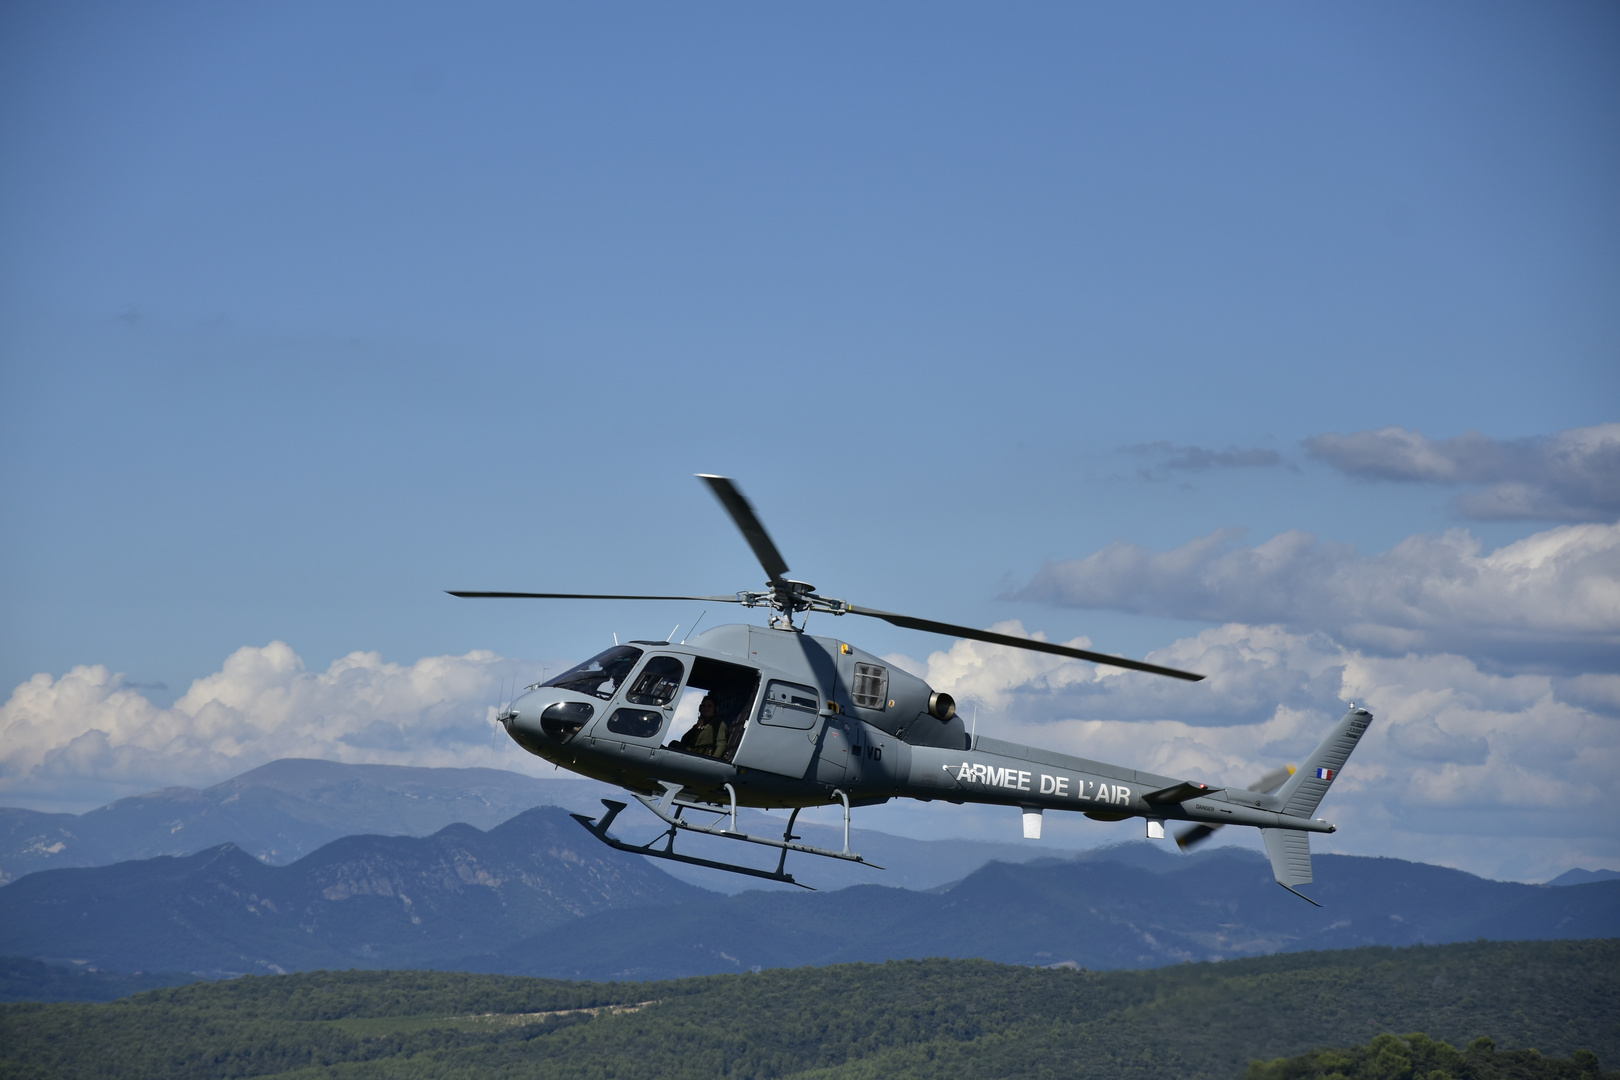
x=1324 y=774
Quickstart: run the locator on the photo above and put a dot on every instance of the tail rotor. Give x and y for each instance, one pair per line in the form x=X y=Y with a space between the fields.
x=1189 y=838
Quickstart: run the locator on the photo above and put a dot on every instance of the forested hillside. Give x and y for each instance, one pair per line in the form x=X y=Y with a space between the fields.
x=932 y=1018
x=1393 y=1057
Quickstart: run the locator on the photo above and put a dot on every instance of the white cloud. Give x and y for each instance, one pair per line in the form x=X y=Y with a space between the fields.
x=86 y=738
x=1250 y=672
x=1550 y=599
x=1571 y=476
x=1506 y=775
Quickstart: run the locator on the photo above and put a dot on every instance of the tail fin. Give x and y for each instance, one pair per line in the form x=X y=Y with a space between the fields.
x=1289 y=850
x=1303 y=792
x=1290 y=854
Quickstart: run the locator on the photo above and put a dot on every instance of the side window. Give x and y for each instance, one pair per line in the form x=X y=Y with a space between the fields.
x=871 y=689
x=790 y=705
x=659 y=682
x=636 y=723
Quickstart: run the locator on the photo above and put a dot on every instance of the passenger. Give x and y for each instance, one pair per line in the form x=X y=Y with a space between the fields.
x=709 y=735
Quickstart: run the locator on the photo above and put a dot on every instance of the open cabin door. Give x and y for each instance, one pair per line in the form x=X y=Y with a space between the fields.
x=732 y=688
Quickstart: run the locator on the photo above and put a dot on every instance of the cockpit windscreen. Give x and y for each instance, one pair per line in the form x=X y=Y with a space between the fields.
x=601 y=675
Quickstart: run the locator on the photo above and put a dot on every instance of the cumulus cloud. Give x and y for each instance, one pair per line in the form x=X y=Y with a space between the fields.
x=89 y=736
x=1251 y=671
x=1507 y=775
x=1571 y=476
x=1551 y=599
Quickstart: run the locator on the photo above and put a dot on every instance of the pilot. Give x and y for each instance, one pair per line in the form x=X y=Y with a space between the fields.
x=709 y=735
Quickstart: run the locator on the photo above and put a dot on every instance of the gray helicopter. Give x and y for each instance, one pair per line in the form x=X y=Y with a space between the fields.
x=789 y=720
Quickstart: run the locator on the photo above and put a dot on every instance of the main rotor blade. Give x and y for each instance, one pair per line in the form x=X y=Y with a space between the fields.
x=993 y=638
x=584 y=596
x=742 y=513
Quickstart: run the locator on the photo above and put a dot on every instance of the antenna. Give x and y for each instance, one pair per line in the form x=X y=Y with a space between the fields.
x=672 y=630
x=705 y=611
x=615 y=637
x=974 y=734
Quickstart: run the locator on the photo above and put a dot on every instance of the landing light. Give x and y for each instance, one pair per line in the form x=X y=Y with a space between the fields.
x=563 y=720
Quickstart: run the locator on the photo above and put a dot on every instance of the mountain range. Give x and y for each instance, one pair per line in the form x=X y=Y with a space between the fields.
x=278 y=812
x=1581 y=877
x=366 y=901
x=1131 y=906
x=537 y=895
x=282 y=811
x=288 y=808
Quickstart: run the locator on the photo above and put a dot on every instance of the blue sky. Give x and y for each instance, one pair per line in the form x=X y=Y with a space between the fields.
x=308 y=312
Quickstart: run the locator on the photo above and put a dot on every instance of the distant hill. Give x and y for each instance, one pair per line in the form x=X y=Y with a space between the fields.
x=940 y=1019
x=1583 y=877
x=35 y=980
x=540 y=896
x=362 y=901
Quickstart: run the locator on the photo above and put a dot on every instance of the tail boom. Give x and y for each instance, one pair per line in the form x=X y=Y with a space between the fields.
x=993 y=771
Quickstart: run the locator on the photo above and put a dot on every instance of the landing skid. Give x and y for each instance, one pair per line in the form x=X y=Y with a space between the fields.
x=670 y=808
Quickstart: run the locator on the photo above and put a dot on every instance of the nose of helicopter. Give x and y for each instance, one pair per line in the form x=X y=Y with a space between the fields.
x=538 y=722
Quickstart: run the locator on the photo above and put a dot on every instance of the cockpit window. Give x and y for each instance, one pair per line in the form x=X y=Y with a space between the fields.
x=658 y=683
x=871 y=687
x=602 y=674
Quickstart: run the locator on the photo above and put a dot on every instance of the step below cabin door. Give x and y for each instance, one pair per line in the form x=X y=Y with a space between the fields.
x=782 y=739
x=832 y=763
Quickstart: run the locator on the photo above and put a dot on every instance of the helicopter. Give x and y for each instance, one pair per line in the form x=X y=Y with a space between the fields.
x=790 y=720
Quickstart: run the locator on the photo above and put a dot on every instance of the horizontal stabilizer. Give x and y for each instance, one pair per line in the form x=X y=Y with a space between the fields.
x=1179 y=792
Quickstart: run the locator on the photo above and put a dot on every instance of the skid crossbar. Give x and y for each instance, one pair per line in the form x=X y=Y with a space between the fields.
x=600 y=831
x=670 y=808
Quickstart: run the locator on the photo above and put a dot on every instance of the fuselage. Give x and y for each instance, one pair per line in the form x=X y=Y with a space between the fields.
x=813 y=719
